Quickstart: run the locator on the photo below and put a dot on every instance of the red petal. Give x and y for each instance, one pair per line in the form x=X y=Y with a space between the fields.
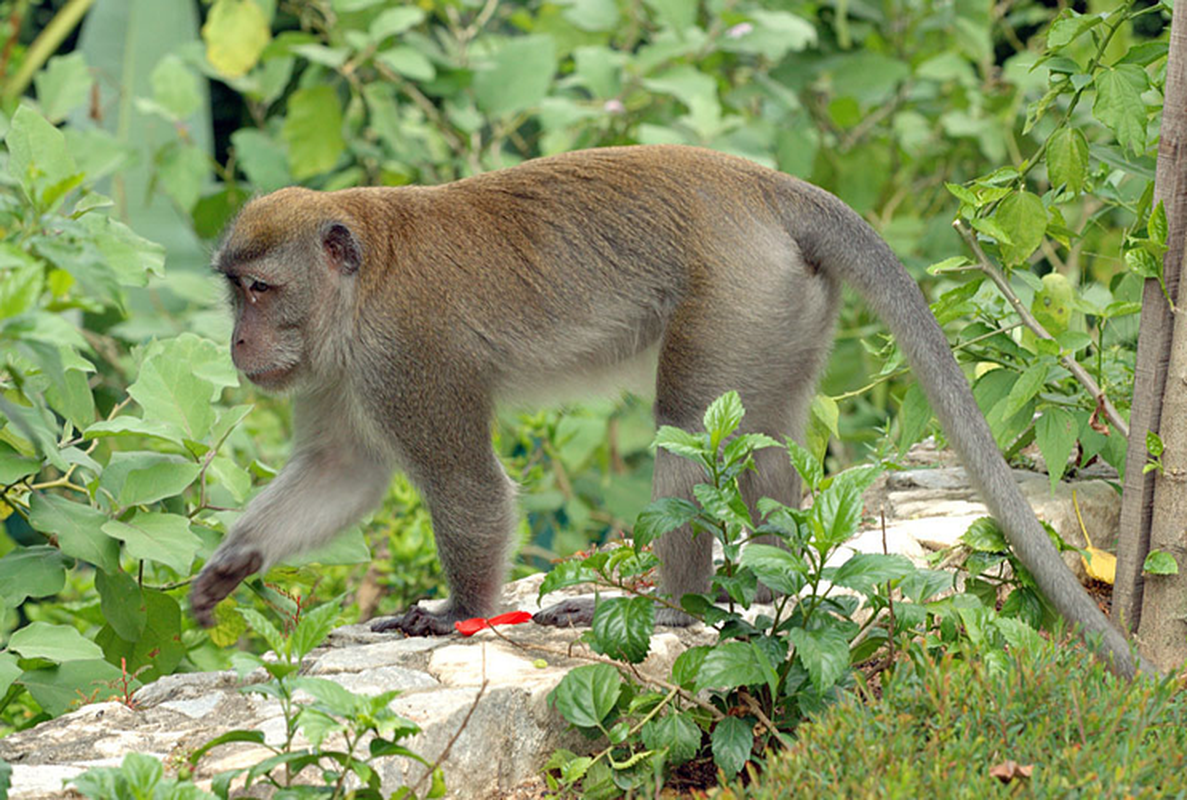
x=471 y=626
x=511 y=618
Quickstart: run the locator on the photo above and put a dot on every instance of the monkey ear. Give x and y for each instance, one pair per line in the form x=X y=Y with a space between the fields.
x=342 y=247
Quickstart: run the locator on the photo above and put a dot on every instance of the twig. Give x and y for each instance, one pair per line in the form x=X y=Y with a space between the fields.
x=756 y=709
x=1028 y=319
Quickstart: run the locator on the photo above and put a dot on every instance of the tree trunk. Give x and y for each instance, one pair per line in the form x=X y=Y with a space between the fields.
x=1154 y=344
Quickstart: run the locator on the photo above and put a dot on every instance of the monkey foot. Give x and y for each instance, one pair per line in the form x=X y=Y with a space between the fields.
x=417 y=622
x=571 y=613
x=218 y=579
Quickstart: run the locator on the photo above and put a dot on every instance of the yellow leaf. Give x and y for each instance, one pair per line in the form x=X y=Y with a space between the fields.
x=1100 y=565
x=236 y=32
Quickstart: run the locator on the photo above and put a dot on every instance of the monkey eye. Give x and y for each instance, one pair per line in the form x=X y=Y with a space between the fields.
x=259 y=287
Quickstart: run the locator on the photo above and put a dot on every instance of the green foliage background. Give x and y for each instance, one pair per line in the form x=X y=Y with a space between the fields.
x=128 y=442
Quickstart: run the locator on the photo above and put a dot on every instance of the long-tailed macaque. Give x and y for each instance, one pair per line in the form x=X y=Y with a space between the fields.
x=398 y=317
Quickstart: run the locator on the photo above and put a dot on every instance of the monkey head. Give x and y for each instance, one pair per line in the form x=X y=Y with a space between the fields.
x=290 y=261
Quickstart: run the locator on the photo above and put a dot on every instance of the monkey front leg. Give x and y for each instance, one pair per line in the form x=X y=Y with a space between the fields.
x=320 y=491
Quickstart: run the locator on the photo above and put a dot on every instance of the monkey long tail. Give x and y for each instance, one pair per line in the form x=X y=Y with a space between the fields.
x=846 y=247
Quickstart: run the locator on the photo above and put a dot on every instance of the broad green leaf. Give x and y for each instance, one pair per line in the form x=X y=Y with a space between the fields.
x=823 y=652
x=313 y=131
x=806 y=464
x=777 y=568
x=518 y=77
x=722 y=417
x=53 y=642
x=696 y=90
x=675 y=733
x=1119 y=104
x=77 y=528
x=63 y=85
x=175 y=87
x=36 y=148
x=677 y=14
x=587 y=694
x=37 y=571
x=236 y=33
x=164 y=538
x=159 y=646
x=622 y=627
x=730 y=665
x=315 y=625
x=1067 y=159
x=1022 y=216
x=682 y=443
x=1159 y=562
x=1018 y=634
x=335 y=698
x=122 y=602
x=14 y=466
x=983 y=536
x=141 y=477
x=837 y=513
x=687 y=667
x=1053 y=304
x=9 y=672
x=169 y=389
x=592 y=15
x=1025 y=388
x=409 y=62
x=394 y=21
x=599 y=69
x=733 y=741
x=772 y=35
x=1157 y=225
x=566 y=573
x=135 y=426
x=57 y=689
x=865 y=572
x=182 y=170
x=1056 y=433
x=1142 y=263
x=661 y=516
x=262 y=158
x=726 y=505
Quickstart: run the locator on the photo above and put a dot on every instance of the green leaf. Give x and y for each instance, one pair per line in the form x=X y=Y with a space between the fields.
x=175 y=87
x=586 y=695
x=693 y=446
x=726 y=505
x=9 y=672
x=730 y=665
x=865 y=572
x=1142 y=263
x=409 y=62
x=141 y=477
x=1025 y=388
x=984 y=536
x=264 y=627
x=687 y=667
x=1119 y=104
x=662 y=516
x=914 y=417
x=1159 y=562
x=837 y=513
x=262 y=158
x=518 y=76
x=37 y=154
x=63 y=85
x=722 y=417
x=1056 y=432
x=335 y=698
x=164 y=538
x=675 y=733
x=182 y=170
x=1067 y=159
x=236 y=33
x=806 y=464
x=122 y=602
x=1153 y=444
x=57 y=689
x=38 y=571
x=1069 y=27
x=1018 y=634
x=315 y=625
x=313 y=131
x=53 y=642
x=777 y=568
x=773 y=35
x=253 y=737
x=566 y=573
x=169 y=389
x=823 y=652
x=733 y=741
x=135 y=426
x=77 y=528
x=1022 y=216
x=395 y=21
x=159 y=646
x=1157 y=226
x=622 y=627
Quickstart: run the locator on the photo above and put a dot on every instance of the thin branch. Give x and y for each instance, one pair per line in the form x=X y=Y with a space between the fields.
x=1028 y=319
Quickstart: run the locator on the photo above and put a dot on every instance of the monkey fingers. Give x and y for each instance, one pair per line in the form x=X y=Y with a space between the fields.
x=218 y=579
x=574 y=612
x=416 y=621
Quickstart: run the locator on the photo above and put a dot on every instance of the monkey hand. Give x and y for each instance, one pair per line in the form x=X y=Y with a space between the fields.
x=579 y=611
x=225 y=570
x=417 y=621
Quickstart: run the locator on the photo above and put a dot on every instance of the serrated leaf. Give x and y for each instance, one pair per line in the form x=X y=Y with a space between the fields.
x=1025 y=388
x=1142 y=263
x=622 y=627
x=865 y=572
x=1024 y=219
x=1067 y=159
x=1056 y=432
x=586 y=695
x=1119 y=104
x=566 y=573
x=836 y=513
x=314 y=627
x=662 y=516
x=778 y=569
x=806 y=464
x=675 y=733
x=730 y=665
x=733 y=741
x=984 y=536
x=823 y=652
x=682 y=443
x=722 y=417
x=1159 y=562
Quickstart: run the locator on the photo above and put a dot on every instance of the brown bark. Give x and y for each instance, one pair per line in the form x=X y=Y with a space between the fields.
x=1154 y=342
